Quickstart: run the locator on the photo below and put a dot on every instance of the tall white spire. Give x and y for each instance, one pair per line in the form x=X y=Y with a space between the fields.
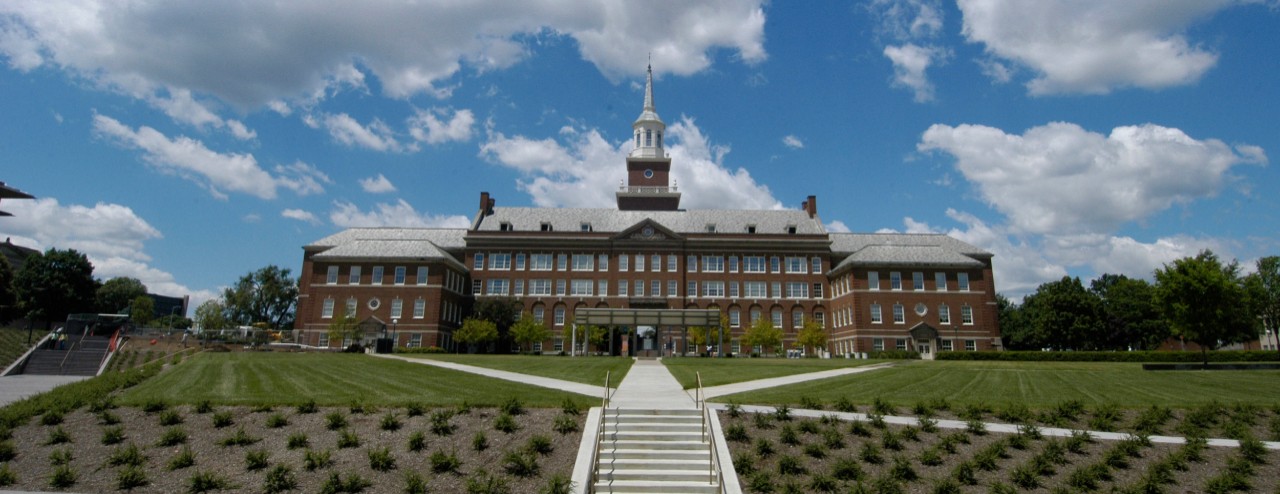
x=648 y=127
x=648 y=91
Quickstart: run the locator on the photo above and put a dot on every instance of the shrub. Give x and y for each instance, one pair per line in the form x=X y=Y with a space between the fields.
x=782 y=412
x=353 y=483
x=790 y=465
x=414 y=483
x=279 y=479
x=440 y=425
x=63 y=477
x=1105 y=356
x=557 y=484
x=183 y=459
x=1025 y=476
x=414 y=409
x=380 y=460
x=154 y=406
x=859 y=428
x=890 y=440
x=7 y=475
x=764 y=448
x=297 y=440
x=204 y=406
x=815 y=450
x=930 y=457
x=762 y=421
x=882 y=407
x=810 y=403
x=105 y=417
x=902 y=470
x=964 y=473
x=1077 y=441
x=261 y=408
x=512 y=406
x=58 y=435
x=308 y=407
x=870 y=453
x=974 y=411
x=335 y=420
x=844 y=405
x=738 y=433
x=170 y=417
x=505 y=423
x=1105 y=417
x=520 y=464
x=1253 y=450
x=479 y=442
x=126 y=455
x=823 y=483
x=417 y=441
x=61 y=456
x=222 y=419
x=946 y=485
x=762 y=482
x=847 y=469
x=172 y=436
x=256 y=460
x=539 y=444
x=442 y=462
x=832 y=438
x=744 y=464
x=112 y=435
x=238 y=438
x=358 y=408
x=876 y=420
x=910 y=433
x=733 y=409
x=565 y=424
x=315 y=460
x=808 y=426
x=789 y=436
x=51 y=417
x=570 y=407
x=976 y=427
x=276 y=421
x=928 y=425
x=348 y=439
x=482 y=482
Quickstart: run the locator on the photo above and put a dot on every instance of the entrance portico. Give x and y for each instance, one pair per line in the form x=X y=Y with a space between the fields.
x=925 y=338
x=634 y=318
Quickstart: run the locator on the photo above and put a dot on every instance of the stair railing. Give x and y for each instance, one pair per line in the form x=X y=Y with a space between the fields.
x=62 y=366
x=714 y=473
x=595 y=456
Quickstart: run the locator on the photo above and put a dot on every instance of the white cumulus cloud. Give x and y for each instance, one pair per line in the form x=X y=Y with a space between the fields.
x=376 y=136
x=426 y=127
x=377 y=185
x=793 y=142
x=910 y=63
x=300 y=215
x=399 y=214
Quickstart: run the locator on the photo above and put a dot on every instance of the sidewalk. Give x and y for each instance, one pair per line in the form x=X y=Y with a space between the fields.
x=773 y=382
x=17 y=387
x=650 y=386
x=542 y=382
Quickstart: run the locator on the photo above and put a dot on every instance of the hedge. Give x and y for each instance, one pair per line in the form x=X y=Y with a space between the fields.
x=1138 y=356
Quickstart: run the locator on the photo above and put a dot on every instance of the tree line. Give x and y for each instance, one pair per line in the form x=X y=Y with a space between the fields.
x=1197 y=299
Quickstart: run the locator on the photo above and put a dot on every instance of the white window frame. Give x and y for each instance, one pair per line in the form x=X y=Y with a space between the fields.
x=917 y=281
x=970 y=345
x=895 y=281
x=560 y=287
x=602 y=262
x=582 y=288
x=499 y=286
x=733 y=264
x=797 y=289
x=400 y=275
x=797 y=318
x=775 y=317
x=562 y=262
x=624 y=287
x=877 y=344
x=518 y=289
x=419 y=308
x=500 y=261
x=559 y=316
x=477 y=262
x=873 y=280
x=733 y=290
x=323 y=340
x=353 y=277
x=540 y=287
x=876 y=316
x=352 y=306
x=331 y=277
x=655 y=288
x=639 y=292
x=944 y=314
x=966 y=315
x=712 y=289
x=962 y=280
x=713 y=264
x=940 y=281
x=520 y=261
x=423 y=275
x=624 y=262
x=326 y=312
x=756 y=289
x=691 y=264
x=797 y=265
x=899 y=314
x=375 y=278
x=639 y=263
x=735 y=318
x=947 y=346
x=602 y=288
x=541 y=262
x=815 y=266
x=673 y=263
x=753 y=264
x=397 y=307
x=584 y=262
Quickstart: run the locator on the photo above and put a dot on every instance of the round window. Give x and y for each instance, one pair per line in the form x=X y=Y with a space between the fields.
x=374 y=303
x=648 y=174
x=921 y=309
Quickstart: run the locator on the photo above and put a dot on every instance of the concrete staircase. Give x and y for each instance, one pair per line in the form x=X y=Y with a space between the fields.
x=83 y=360
x=654 y=451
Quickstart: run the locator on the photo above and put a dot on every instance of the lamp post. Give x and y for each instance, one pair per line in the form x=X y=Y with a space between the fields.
x=172 y=311
x=395 y=321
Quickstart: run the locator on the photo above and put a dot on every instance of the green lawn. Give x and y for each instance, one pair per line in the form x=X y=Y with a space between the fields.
x=585 y=370
x=731 y=370
x=13 y=343
x=330 y=379
x=1035 y=384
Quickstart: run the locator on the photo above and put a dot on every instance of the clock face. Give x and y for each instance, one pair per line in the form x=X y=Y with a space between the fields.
x=648 y=174
x=647 y=231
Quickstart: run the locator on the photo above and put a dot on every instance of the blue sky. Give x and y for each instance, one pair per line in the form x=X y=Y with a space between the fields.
x=188 y=143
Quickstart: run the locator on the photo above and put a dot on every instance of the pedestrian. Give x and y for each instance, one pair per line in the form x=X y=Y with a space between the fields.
x=184 y=339
x=62 y=341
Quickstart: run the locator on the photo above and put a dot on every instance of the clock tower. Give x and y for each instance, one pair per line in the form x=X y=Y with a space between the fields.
x=648 y=186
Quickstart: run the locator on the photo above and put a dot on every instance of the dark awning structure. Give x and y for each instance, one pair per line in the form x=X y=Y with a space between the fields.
x=7 y=192
x=647 y=317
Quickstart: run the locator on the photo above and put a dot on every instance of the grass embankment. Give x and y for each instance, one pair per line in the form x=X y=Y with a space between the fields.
x=585 y=370
x=330 y=380
x=733 y=370
x=1034 y=384
x=13 y=343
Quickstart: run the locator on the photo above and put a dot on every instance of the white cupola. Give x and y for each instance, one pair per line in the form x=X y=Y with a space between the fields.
x=648 y=127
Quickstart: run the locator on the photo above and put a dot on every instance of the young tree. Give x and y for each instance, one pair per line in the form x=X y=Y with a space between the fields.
x=266 y=295
x=54 y=284
x=700 y=336
x=1205 y=301
x=527 y=331
x=502 y=312
x=1266 y=292
x=596 y=335
x=763 y=334
x=212 y=316
x=141 y=310
x=475 y=332
x=114 y=296
x=345 y=327
x=812 y=335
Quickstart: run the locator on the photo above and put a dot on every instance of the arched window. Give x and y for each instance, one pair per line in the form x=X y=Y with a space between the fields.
x=648 y=138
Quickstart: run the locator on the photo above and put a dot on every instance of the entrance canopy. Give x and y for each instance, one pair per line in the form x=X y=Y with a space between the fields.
x=647 y=317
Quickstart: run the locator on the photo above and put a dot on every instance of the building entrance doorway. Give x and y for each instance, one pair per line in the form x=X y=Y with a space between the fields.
x=638 y=342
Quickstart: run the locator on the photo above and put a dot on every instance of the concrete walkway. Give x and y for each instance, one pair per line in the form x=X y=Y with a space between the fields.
x=650 y=386
x=17 y=387
x=543 y=382
x=773 y=382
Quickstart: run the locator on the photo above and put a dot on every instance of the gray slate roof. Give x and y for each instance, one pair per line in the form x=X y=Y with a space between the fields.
x=444 y=238
x=684 y=222
x=875 y=249
x=392 y=243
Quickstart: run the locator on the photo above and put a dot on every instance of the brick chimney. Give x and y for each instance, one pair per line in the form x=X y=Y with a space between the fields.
x=810 y=206
x=486 y=204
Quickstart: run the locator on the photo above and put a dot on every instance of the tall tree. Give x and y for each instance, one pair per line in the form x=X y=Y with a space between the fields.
x=1267 y=295
x=1015 y=333
x=8 y=296
x=812 y=335
x=762 y=334
x=142 y=310
x=54 y=284
x=1205 y=301
x=266 y=295
x=527 y=331
x=502 y=312
x=475 y=332
x=1129 y=313
x=212 y=316
x=114 y=296
x=1065 y=316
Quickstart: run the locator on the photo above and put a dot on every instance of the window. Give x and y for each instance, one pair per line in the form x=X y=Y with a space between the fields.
x=756 y=289
x=539 y=287
x=711 y=227
x=584 y=262
x=639 y=288
x=520 y=262
x=944 y=314
x=501 y=261
x=499 y=287
x=351 y=307
x=940 y=281
x=712 y=264
x=623 y=262
x=900 y=344
x=655 y=288
x=966 y=315
x=376 y=277
x=639 y=262
x=873 y=280
x=415 y=340
x=623 y=286
x=324 y=339
x=400 y=275
x=397 y=307
x=775 y=317
x=539 y=314
x=817 y=290
x=899 y=314
x=820 y=318
x=581 y=288
x=962 y=280
x=753 y=264
x=797 y=318
x=559 y=316
x=755 y=315
x=970 y=345
x=690 y=290
x=519 y=289
x=562 y=262
x=422 y=275
x=775 y=264
x=877 y=344
x=797 y=289
x=478 y=262
x=875 y=314
x=540 y=262
x=584 y=227
x=691 y=264
x=733 y=264
x=327 y=312
x=655 y=263
x=712 y=289
x=816 y=266
x=332 y=278
x=560 y=286
x=895 y=280
x=673 y=263
x=604 y=262
x=603 y=290
x=917 y=281
x=476 y=286
x=735 y=318
x=947 y=346
x=777 y=289
x=546 y=227
x=557 y=345
x=796 y=265
x=733 y=289
x=354 y=278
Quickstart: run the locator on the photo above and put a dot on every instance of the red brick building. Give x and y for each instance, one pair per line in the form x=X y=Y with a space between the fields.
x=870 y=291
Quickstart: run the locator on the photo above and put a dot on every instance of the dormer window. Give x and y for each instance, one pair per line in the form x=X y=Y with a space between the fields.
x=751 y=228
x=546 y=227
x=586 y=227
x=505 y=227
x=711 y=227
x=791 y=229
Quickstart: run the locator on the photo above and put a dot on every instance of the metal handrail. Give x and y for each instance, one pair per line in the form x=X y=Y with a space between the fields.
x=63 y=365
x=714 y=474
x=595 y=456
